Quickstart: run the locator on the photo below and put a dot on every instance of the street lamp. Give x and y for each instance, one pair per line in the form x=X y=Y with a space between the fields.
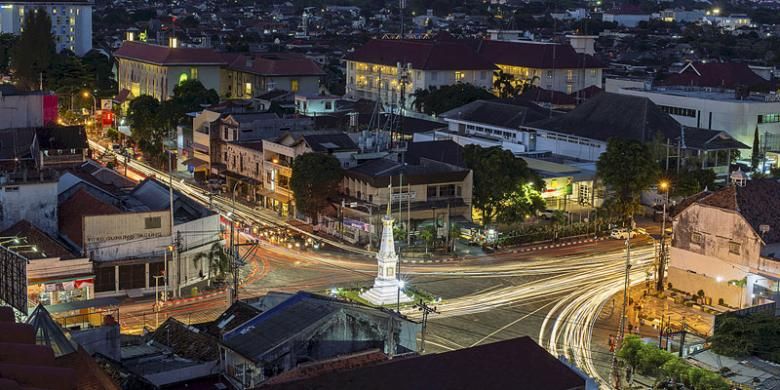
x=86 y=94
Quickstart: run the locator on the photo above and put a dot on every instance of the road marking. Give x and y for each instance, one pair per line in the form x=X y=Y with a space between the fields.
x=511 y=323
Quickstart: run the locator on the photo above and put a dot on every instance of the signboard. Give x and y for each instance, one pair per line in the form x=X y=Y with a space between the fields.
x=106 y=104
x=107 y=118
x=126 y=227
x=13 y=279
x=404 y=196
x=558 y=186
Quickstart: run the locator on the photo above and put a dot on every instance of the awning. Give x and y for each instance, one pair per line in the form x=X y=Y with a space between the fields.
x=121 y=96
x=77 y=305
x=195 y=162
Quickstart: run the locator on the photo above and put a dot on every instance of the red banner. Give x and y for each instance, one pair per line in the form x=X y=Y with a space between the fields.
x=107 y=118
x=49 y=110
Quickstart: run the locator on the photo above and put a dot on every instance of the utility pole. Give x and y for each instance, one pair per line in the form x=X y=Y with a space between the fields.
x=170 y=200
x=626 y=285
x=178 y=248
x=402 y=6
x=398 y=281
x=662 y=249
x=426 y=310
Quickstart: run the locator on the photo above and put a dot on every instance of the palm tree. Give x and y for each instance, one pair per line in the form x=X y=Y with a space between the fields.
x=428 y=234
x=741 y=283
x=418 y=99
x=217 y=259
x=454 y=234
x=527 y=83
x=504 y=83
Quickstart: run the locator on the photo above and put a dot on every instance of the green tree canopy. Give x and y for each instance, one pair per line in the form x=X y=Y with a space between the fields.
x=444 y=98
x=146 y=127
x=7 y=42
x=757 y=334
x=498 y=175
x=627 y=167
x=188 y=96
x=315 y=178
x=32 y=54
x=525 y=201
x=504 y=83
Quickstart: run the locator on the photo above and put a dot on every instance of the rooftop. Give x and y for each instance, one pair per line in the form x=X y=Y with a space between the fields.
x=717 y=94
x=380 y=172
x=715 y=75
x=47 y=246
x=491 y=113
x=515 y=363
x=422 y=54
x=165 y=55
x=540 y=55
x=275 y=64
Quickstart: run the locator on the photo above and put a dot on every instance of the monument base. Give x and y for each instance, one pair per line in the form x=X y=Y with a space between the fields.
x=385 y=292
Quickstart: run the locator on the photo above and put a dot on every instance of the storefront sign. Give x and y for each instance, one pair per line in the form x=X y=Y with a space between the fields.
x=558 y=187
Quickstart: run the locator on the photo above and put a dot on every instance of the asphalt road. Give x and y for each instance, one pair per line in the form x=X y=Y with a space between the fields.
x=555 y=295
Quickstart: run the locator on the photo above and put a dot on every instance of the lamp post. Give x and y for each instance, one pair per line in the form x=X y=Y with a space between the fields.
x=663 y=185
x=87 y=94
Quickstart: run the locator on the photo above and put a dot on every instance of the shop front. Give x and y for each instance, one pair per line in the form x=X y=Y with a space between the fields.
x=65 y=290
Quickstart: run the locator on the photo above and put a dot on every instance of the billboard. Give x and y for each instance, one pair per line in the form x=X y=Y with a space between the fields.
x=13 y=279
x=556 y=187
x=126 y=227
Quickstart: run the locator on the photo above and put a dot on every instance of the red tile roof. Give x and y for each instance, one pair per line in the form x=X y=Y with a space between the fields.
x=535 y=55
x=72 y=211
x=511 y=364
x=164 y=55
x=275 y=64
x=715 y=75
x=48 y=246
x=422 y=54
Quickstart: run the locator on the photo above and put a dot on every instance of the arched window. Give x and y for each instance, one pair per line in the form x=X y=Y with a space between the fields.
x=182 y=78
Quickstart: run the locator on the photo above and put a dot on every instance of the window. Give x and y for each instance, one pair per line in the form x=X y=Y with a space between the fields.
x=549 y=74
x=433 y=192
x=328 y=105
x=12 y=189
x=697 y=238
x=248 y=89
x=482 y=75
x=182 y=78
x=294 y=85
x=679 y=111
x=447 y=191
x=734 y=247
x=434 y=76
x=769 y=118
x=152 y=222
x=459 y=76
x=194 y=73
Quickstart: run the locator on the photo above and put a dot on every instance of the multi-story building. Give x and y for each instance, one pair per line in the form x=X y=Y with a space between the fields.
x=251 y=75
x=375 y=70
x=726 y=243
x=146 y=69
x=718 y=97
x=278 y=156
x=432 y=186
x=71 y=21
x=154 y=70
x=552 y=66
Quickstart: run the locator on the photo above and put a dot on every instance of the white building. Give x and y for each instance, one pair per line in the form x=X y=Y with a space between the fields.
x=71 y=21
x=720 y=110
x=728 y=238
x=375 y=70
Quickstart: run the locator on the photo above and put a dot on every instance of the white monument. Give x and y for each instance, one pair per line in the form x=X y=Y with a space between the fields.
x=386 y=288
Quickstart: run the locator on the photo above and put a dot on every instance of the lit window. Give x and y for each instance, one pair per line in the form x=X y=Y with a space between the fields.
x=248 y=89
x=459 y=76
x=194 y=73
x=769 y=118
x=734 y=247
x=294 y=85
x=182 y=78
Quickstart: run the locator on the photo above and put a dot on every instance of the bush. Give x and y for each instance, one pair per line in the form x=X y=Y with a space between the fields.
x=649 y=360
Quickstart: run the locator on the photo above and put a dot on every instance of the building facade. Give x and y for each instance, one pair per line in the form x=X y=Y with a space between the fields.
x=392 y=70
x=725 y=243
x=71 y=21
x=248 y=76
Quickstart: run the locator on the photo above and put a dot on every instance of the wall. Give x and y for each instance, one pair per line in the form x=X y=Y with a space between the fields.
x=718 y=227
x=691 y=283
x=738 y=118
x=126 y=227
x=209 y=76
x=69 y=21
x=18 y=111
x=250 y=159
x=569 y=145
x=35 y=202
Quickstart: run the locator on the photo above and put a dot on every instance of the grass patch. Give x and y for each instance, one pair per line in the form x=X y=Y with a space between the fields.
x=353 y=295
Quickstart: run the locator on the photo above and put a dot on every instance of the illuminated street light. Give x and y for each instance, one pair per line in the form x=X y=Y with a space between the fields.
x=401 y=284
x=718 y=279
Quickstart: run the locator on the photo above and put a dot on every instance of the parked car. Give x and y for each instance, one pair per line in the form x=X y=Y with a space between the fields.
x=622 y=233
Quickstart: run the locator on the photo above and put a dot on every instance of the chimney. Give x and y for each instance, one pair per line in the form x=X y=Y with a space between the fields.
x=583 y=44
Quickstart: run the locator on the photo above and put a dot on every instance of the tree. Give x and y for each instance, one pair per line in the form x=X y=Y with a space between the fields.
x=497 y=174
x=445 y=98
x=188 y=96
x=100 y=68
x=32 y=54
x=627 y=167
x=146 y=128
x=217 y=260
x=693 y=181
x=428 y=235
x=315 y=179
x=504 y=83
x=418 y=99
x=525 y=201
x=755 y=156
x=7 y=42
x=68 y=76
